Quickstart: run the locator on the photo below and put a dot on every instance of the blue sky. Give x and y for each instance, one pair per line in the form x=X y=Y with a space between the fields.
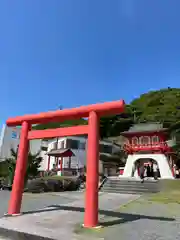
x=78 y=52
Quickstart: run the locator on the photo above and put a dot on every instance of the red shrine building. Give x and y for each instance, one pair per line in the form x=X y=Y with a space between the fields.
x=148 y=143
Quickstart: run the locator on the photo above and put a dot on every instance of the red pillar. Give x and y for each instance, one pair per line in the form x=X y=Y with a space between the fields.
x=92 y=178
x=57 y=163
x=48 y=166
x=20 y=171
x=61 y=165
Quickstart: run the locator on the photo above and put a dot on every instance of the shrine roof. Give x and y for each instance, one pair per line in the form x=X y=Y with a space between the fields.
x=145 y=128
x=61 y=153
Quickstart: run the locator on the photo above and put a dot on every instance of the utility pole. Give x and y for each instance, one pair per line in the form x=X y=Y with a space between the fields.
x=134 y=114
x=57 y=140
x=59 y=108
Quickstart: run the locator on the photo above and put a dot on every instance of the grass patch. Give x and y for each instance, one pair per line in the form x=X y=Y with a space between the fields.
x=79 y=229
x=166 y=197
x=169 y=194
x=132 y=203
x=129 y=205
x=170 y=185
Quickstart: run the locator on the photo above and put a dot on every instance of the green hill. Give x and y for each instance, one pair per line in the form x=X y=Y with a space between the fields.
x=158 y=106
x=66 y=123
x=155 y=106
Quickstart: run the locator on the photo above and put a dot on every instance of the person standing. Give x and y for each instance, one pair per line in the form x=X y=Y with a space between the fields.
x=152 y=174
x=148 y=171
x=133 y=170
x=155 y=171
x=177 y=172
x=142 y=172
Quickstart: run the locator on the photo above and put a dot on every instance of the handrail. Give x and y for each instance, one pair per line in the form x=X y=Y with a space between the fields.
x=102 y=183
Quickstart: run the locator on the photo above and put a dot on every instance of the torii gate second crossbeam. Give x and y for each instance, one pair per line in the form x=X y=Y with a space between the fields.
x=93 y=113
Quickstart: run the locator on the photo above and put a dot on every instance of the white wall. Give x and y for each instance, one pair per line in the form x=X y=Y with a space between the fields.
x=35 y=147
x=79 y=160
x=161 y=159
x=9 y=138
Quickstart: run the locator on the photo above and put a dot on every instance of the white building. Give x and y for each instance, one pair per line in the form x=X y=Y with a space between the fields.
x=10 y=139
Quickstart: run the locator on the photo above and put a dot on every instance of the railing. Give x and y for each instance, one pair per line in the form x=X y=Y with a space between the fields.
x=162 y=146
x=102 y=182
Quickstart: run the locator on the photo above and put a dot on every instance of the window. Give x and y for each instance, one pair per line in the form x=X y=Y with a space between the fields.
x=44 y=148
x=105 y=148
x=82 y=145
x=135 y=141
x=74 y=173
x=155 y=139
x=144 y=140
x=14 y=134
x=73 y=144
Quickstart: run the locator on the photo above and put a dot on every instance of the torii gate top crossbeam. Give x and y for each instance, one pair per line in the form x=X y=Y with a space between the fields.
x=102 y=109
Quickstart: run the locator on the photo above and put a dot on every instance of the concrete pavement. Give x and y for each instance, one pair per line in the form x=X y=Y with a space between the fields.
x=56 y=215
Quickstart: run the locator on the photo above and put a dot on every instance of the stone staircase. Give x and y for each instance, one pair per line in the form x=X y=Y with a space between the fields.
x=130 y=186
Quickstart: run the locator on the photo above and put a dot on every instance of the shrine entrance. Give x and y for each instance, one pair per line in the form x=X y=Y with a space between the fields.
x=93 y=113
x=160 y=159
x=148 y=168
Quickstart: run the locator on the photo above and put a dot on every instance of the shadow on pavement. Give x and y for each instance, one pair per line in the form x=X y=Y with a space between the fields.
x=120 y=217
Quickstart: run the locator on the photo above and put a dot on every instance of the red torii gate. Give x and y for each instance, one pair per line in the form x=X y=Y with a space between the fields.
x=93 y=113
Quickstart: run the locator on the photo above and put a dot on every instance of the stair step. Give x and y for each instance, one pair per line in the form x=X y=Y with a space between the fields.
x=132 y=182
x=132 y=179
x=131 y=189
x=123 y=190
x=130 y=186
x=126 y=192
x=142 y=185
x=125 y=184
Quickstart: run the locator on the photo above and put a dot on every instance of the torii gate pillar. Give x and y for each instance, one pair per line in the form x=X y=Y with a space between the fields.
x=20 y=171
x=92 y=179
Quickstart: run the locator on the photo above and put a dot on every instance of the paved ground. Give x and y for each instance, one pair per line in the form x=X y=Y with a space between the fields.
x=63 y=214
x=32 y=202
x=144 y=220
x=138 y=220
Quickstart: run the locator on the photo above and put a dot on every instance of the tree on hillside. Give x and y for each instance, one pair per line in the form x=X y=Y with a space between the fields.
x=113 y=125
x=67 y=123
x=33 y=164
x=155 y=106
x=159 y=106
x=106 y=125
x=3 y=169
